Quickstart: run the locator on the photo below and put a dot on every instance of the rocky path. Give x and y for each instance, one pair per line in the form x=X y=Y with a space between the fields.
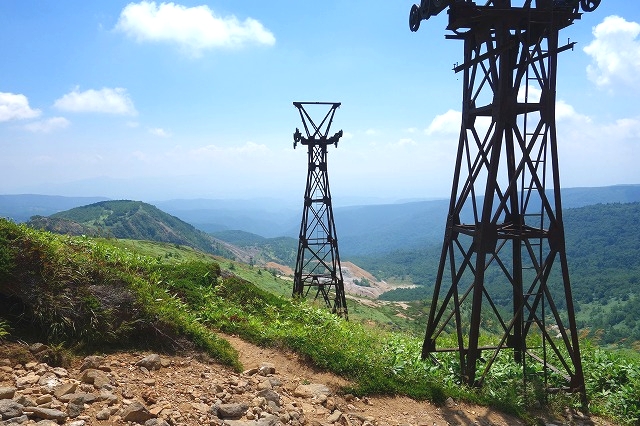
x=150 y=389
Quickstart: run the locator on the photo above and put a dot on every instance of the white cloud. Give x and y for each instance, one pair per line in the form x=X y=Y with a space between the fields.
x=564 y=111
x=347 y=135
x=194 y=28
x=615 y=52
x=371 y=132
x=157 y=131
x=47 y=126
x=447 y=123
x=105 y=100
x=15 y=107
x=404 y=142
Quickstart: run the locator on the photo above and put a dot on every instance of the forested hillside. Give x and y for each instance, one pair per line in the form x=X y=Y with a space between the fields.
x=603 y=250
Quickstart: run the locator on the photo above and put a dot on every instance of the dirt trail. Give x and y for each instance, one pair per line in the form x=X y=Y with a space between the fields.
x=184 y=389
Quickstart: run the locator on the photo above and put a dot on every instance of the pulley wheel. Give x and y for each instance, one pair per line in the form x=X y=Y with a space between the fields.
x=589 y=5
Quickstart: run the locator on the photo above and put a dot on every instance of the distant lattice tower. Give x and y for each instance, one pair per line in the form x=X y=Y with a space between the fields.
x=504 y=238
x=318 y=261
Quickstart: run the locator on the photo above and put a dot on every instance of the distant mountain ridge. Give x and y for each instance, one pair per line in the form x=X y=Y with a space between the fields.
x=129 y=220
x=362 y=230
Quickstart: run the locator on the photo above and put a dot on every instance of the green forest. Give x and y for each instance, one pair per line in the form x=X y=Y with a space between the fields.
x=603 y=251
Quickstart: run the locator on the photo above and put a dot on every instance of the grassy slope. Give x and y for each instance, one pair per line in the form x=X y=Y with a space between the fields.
x=180 y=292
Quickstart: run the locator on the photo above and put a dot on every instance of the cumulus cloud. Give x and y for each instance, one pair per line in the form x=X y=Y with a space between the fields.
x=447 y=123
x=47 y=126
x=564 y=111
x=157 y=131
x=105 y=100
x=615 y=53
x=15 y=107
x=193 y=28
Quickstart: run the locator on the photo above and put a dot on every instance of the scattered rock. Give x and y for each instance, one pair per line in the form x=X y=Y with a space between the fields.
x=7 y=392
x=10 y=409
x=335 y=416
x=103 y=414
x=46 y=413
x=37 y=348
x=311 y=390
x=266 y=368
x=64 y=389
x=92 y=362
x=150 y=362
x=75 y=407
x=156 y=422
x=450 y=403
x=136 y=412
x=270 y=395
x=230 y=411
x=95 y=377
x=180 y=390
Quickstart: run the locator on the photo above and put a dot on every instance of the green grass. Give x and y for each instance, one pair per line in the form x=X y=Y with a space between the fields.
x=89 y=293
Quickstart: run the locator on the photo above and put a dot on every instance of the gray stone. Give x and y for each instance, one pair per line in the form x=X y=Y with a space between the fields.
x=15 y=420
x=311 y=390
x=335 y=416
x=10 y=409
x=64 y=389
x=109 y=397
x=68 y=397
x=156 y=422
x=103 y=414
x=230 y=411
x=77 y=423
x=92 y=362
x=26 y=381
x=94 y=377
x=49 y=381
x=7 y=392
x=60 y=372
x=266 y=368
x=25 y=401
x=46 y=413
x=250 y=372
x=270 y=395
x=136 y=412
x=150 y=362
x=37 y=348
x=75 y=407
x=44 y=399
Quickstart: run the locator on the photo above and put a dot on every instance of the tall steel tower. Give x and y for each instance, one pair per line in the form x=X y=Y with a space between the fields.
x=318 y=261
x=504 y=242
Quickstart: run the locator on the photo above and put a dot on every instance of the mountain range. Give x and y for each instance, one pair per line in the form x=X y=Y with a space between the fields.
x=363 y=230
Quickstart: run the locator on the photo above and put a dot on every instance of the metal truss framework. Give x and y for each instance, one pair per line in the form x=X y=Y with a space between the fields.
x=504 y=241
x=318 y=260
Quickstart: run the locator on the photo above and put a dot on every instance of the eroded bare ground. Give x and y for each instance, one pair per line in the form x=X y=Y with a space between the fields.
x=183 y=390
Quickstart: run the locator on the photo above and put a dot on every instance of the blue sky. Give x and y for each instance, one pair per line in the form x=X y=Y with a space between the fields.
x=193 y=99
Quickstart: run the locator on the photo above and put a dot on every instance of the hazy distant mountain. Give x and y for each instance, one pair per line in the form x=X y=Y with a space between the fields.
x=362 y=230
x=21 y=207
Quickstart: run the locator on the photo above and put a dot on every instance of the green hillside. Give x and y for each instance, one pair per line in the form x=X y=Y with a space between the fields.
x=87 y=294
x=282 y=250
x=130 y=220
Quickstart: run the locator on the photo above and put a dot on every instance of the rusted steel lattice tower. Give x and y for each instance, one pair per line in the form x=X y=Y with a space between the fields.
x=504 y=242
x=318 y=261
